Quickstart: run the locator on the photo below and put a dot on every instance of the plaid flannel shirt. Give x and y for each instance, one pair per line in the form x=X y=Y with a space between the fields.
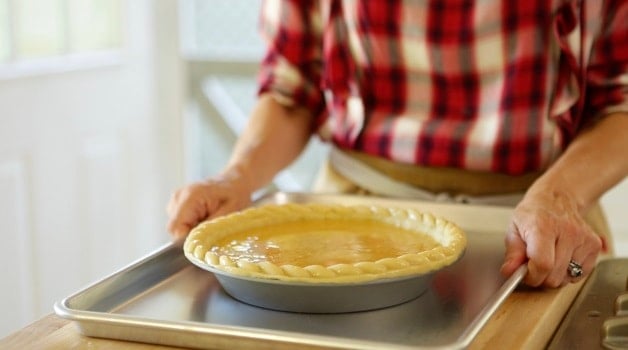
x=488 y=85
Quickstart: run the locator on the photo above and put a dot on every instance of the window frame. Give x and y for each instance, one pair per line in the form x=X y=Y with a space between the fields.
x=67 y=60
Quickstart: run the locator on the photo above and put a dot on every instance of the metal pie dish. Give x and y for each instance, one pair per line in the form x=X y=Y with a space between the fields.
x=320 y=298
x=349 y=288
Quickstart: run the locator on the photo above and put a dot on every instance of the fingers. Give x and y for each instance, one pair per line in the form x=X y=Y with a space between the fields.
x=183 y=217
x=549 y=246
x=188 y=207
x=555 y=272
x=541 y=252
x=179 y=231
x=226 y=208
x=515 y=252
x=586 y=256
x=580 y=245
x=201 y=201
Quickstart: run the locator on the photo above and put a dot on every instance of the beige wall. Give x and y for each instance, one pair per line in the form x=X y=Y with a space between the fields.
x=615 y=202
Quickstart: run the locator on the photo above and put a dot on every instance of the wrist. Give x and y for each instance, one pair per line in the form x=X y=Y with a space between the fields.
x=557 y=188
x=239 y=176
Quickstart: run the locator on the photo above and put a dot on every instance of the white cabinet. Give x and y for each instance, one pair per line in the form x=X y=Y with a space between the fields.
x=89 y=154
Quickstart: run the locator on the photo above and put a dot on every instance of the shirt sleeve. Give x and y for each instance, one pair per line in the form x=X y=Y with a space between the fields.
x=607 y=72
x=292 y=65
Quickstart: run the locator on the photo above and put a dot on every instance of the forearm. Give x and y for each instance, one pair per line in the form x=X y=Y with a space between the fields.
x=594 y=162
x=274 y=137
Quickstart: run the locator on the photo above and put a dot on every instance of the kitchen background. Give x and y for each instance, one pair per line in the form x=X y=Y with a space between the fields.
x=107 y=106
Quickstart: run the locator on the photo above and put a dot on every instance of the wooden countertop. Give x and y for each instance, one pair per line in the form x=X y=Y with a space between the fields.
x=526 y=320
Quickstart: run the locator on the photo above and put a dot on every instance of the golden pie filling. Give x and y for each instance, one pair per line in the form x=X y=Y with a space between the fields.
x=325 y=243
x=322 y=243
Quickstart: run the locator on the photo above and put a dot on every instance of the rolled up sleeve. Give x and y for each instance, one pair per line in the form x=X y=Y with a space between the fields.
x=607 y=72
x=291 y=68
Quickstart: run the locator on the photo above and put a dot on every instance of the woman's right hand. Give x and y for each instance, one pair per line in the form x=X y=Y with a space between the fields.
x=274 y=137
x=203 y=200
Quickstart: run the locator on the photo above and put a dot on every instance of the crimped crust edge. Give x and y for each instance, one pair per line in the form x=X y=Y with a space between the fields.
x=451 y=239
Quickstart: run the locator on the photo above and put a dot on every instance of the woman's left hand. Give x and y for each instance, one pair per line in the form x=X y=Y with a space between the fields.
x=548 y=232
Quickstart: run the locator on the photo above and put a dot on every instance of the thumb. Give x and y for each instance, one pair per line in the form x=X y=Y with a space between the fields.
x=515 y=252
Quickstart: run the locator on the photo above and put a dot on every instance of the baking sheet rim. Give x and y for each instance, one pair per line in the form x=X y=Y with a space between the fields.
x=63 y=309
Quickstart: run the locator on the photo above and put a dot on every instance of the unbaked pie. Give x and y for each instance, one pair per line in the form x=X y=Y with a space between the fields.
x=325 y=243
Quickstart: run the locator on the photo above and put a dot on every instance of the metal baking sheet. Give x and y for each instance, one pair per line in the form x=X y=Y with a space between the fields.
x=164 y=299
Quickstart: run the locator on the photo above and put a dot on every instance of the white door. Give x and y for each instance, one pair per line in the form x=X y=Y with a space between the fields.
x=89 y=143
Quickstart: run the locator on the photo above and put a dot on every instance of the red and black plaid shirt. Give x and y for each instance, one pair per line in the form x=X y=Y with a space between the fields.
x=493 y=85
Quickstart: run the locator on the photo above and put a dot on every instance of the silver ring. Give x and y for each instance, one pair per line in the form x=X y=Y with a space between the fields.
x=574 y=269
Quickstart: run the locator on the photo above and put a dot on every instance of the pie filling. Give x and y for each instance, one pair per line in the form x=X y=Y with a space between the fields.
x=323 y=243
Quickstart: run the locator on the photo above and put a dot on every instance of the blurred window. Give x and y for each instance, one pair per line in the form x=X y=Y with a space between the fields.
x=5 y=50
x=41 y=29
x=94 y=25
x=221 y=29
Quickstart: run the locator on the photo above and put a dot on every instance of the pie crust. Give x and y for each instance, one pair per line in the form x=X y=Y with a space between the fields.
x=325 y=243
